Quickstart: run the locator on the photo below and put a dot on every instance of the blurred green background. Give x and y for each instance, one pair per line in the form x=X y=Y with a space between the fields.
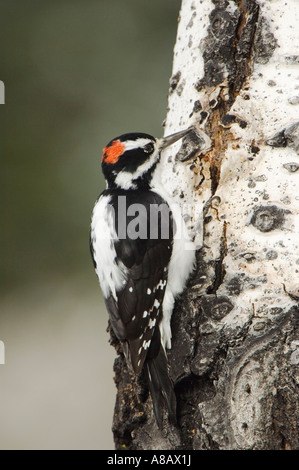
x=76 y=74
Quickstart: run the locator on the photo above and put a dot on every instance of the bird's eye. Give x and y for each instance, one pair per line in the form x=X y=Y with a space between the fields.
x=148 y=148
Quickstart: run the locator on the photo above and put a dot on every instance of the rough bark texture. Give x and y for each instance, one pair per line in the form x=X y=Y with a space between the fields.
x=235 y=351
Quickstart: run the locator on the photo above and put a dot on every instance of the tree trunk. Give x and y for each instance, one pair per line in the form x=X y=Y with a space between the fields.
x=235 y=351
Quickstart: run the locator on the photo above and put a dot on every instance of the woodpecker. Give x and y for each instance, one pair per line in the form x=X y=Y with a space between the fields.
x=141 y=264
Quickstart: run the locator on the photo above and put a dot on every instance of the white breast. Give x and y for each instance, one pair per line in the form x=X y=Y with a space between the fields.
x=111 y=273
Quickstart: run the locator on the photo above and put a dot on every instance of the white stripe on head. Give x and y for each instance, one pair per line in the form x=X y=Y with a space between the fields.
x=138 y=143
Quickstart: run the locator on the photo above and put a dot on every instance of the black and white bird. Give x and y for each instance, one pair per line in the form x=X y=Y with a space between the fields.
x=141 y=264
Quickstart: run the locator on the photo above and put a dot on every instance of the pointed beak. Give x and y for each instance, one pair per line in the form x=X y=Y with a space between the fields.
x=171 y=139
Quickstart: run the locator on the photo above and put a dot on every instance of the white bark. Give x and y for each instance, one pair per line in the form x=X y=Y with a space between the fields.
x=235 y=354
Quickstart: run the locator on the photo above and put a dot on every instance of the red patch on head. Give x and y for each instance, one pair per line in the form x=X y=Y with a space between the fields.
x=113 y=152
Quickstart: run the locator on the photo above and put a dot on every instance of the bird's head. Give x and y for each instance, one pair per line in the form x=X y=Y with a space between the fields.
x=129 y=160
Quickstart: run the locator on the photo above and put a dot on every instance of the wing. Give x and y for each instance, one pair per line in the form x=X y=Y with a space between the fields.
x=136 y=310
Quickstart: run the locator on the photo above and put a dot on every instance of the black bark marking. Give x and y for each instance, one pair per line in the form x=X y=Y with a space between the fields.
x=265 y=42
x=292 y=167
x=287 y=137
x=174 y=81
x=228 y=48
x=267 y=218
x=191 y=146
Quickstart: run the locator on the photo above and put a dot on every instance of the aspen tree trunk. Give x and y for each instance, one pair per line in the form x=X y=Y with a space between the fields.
x=235 y=349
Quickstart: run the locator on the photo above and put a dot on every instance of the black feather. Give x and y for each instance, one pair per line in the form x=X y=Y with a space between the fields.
x=160 y=384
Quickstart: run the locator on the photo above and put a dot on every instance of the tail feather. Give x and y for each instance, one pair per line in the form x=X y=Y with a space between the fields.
x=161 y=387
